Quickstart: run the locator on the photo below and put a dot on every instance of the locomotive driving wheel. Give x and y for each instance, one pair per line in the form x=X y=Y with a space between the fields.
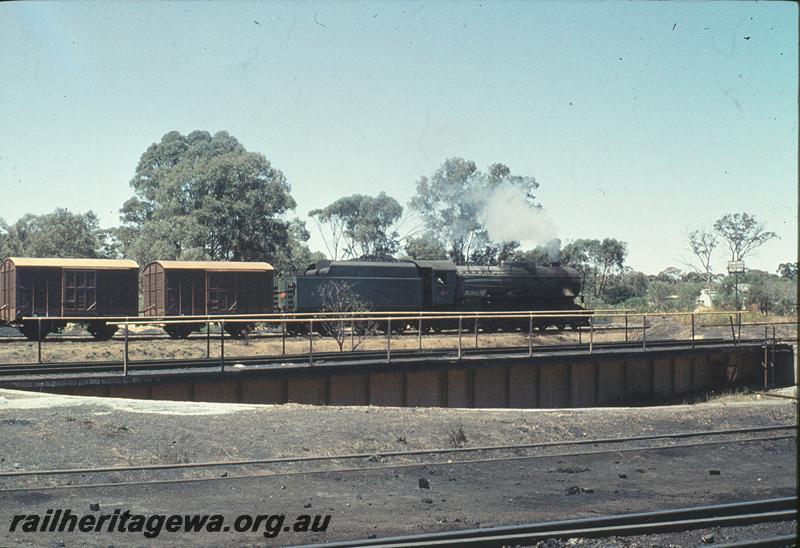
x=398 y=328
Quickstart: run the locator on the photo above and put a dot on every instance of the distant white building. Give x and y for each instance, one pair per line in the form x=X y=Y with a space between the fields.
x=705 y=298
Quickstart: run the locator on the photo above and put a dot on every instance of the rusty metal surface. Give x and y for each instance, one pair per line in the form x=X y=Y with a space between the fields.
x=216 y=266
x=177 y=291
x=90 y=264
x=67 y=287
x=544 y=381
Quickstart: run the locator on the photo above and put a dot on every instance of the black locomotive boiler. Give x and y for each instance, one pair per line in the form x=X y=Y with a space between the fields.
x=438 y=286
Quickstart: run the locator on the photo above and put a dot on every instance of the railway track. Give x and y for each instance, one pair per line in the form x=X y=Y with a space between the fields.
x=59 y=368
x=362 y=462
x=643 y=523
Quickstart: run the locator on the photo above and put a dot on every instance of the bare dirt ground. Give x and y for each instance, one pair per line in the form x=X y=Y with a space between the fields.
x=659 y=327
x=39 y=431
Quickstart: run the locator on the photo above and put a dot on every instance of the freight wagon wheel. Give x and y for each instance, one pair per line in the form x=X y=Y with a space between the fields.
x=178 y=331
x=31 y=330
x=239 y=330
x=101 y=331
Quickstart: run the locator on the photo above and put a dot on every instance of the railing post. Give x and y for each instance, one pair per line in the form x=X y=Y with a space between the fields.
x=208 y=337
x=733 y=331
x=311 y=341
x=773 y=354
x=766 y=358
x=419 y=332
x=283 y=338
x=459 y=336
x=530 y=334
x=591 y=333
x=626 y=326
x=739 y=324
x=39 y=337
x=125 y=351
x=692 y=330
x=476 y=331
x=644 y=332
x=389 y=340
x=352 y=335
x=222 y=345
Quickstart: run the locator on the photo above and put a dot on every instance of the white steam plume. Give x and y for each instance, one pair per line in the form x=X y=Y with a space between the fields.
x=509 y=216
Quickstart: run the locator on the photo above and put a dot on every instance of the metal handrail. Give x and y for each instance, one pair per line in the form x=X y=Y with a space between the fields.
x=349 y=316
x=418 y=317
x=266 y=316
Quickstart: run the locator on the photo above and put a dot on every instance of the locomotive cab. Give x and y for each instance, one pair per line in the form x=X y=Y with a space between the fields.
x=438 y=284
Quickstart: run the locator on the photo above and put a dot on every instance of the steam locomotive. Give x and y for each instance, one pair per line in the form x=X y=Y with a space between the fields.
x=435 y=286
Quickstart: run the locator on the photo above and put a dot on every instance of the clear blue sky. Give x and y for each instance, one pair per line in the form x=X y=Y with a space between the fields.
x=639 y=120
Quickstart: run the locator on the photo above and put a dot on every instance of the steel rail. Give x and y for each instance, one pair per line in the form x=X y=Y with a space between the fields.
x=672 y=526
x=488 y=460
x=579 y=524
x=58 y=367
x=768 y=542
x=388 y=454
x=782 y=396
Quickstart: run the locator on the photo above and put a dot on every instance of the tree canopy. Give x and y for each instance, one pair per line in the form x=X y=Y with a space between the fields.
x=596 y=260
x=425 y=247
x=200 y=196
x=702 y=243
x=743 y=233
x=539 y=255
x=60 y=233
x=759 y=290
x=453 y=203
x=788 y=270
x=359 y=225
x=295 y=257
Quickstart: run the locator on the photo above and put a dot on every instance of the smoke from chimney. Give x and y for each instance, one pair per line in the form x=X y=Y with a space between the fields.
x=510 y=216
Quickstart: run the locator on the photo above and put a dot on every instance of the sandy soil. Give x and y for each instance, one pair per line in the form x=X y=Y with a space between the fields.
x=39 y=431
